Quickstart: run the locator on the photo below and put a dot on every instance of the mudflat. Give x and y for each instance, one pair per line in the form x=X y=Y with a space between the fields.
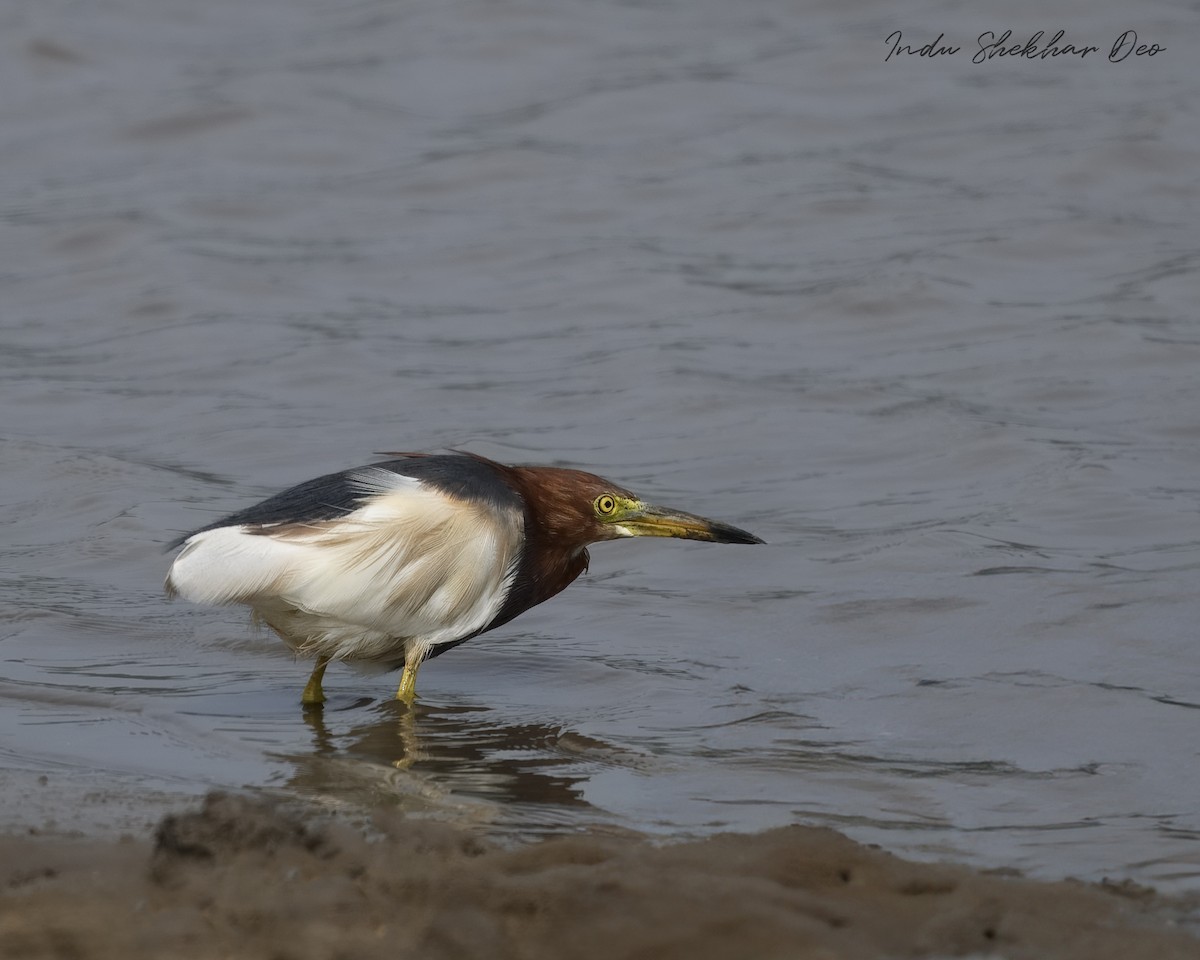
x=247 y=877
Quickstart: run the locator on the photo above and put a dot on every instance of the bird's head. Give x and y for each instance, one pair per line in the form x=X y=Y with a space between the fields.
x=574 y=508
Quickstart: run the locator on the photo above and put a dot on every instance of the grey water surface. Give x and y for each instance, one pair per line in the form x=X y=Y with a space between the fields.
x=927 y=326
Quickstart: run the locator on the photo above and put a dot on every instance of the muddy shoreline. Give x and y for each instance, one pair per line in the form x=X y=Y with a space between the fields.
x=242 y=877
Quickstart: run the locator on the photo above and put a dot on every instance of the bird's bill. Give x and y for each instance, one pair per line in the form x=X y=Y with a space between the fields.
x=659 y=522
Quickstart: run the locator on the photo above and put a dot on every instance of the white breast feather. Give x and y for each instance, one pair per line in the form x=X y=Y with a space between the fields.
x=411 y=565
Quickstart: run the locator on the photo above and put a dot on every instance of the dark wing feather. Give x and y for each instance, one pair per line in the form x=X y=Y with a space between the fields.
x=334 y=495
x=463 y=476
x=323 y=498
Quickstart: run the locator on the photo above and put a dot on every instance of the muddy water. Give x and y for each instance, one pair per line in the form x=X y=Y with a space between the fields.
x=927 y=326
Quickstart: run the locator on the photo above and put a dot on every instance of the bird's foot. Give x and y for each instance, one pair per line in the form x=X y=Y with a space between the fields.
x=407 y=691
x=313 y=695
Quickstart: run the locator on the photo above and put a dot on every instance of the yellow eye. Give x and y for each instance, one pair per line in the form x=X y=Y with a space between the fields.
x=606 y=505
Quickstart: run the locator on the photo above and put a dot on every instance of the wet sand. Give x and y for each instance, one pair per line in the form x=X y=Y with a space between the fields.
x=243 y=877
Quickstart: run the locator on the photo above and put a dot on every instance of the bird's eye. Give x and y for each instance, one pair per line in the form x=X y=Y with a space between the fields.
x=606 y=505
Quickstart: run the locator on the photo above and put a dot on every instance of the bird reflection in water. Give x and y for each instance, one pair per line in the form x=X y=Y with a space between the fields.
x=427 y=757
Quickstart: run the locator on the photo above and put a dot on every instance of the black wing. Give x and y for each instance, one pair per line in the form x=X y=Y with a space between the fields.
x=337 y=494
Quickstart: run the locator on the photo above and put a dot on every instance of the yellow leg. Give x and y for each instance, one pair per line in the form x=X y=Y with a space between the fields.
x=407 y=690
x=312 y=690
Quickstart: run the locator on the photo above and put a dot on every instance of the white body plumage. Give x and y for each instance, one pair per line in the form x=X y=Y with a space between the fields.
x=393 y=569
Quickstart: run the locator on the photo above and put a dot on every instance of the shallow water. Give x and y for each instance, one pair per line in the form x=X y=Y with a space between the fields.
x=928 y=327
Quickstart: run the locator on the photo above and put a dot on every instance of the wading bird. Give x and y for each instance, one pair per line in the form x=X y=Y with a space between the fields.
x=396 y=562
